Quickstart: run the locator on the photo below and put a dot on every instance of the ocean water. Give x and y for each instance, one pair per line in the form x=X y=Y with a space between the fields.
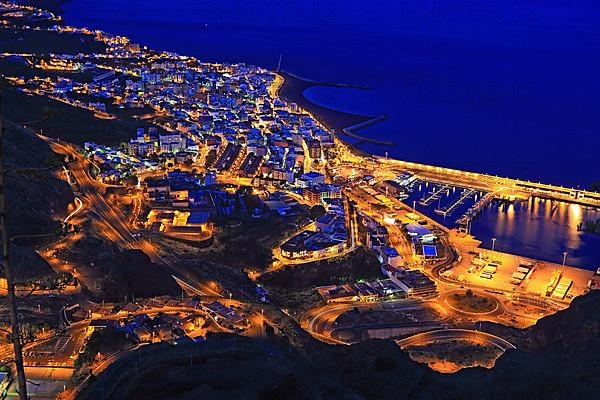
x=508 y=87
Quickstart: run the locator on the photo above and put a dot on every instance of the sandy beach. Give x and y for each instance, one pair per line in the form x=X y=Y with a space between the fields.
x=341 y=123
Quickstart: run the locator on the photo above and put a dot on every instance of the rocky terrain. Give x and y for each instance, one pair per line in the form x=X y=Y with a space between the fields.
x=561 y=364
x=36 y=199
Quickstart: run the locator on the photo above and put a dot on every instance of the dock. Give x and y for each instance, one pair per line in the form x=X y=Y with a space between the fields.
x=350 y=131
x=448 y=210
x=475 y=209
x=433 y=195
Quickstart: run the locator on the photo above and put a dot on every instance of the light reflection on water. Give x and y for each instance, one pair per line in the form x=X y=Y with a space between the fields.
x=537 y=228
x=541 y=229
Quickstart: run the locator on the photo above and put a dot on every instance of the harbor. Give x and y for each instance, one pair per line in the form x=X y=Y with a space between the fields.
x=516 y=224
x=448 y=210
x=434 y=195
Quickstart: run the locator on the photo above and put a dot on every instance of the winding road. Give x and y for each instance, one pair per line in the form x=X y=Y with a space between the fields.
x=114 y=223
x=422 y=339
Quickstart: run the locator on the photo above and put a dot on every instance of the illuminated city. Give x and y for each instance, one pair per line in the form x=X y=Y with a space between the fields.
x=179 y=228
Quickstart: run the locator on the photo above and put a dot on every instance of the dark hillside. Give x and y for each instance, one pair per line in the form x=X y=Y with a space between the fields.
x=36 y=199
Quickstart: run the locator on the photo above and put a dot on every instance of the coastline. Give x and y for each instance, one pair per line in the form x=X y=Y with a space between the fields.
x=341 y=123
x=292 y=89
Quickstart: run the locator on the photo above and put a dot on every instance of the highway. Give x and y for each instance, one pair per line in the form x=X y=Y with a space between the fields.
x=115 y=224
x=79 y=204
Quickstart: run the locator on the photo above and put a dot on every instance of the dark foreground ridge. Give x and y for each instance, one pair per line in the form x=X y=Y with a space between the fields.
x=560 y=362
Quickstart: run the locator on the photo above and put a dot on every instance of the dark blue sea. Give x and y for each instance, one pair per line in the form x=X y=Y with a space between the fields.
x=506 y=87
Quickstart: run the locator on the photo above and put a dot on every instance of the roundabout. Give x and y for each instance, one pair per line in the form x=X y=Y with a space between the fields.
x=471 y=302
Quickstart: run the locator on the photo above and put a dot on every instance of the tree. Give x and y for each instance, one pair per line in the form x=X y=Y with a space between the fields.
x=55 y=160
x=211 y=157
x=317 y=211
x=469 y=293
x=131 y=180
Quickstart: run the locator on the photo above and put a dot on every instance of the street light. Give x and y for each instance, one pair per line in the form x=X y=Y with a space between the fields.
x=564 y=258
x=493 y=244
x=414 y=205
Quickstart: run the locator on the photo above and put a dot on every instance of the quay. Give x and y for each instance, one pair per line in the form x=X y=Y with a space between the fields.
x=516 y=188
x=475 y=209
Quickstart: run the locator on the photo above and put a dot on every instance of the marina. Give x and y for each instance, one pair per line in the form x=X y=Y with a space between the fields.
x=515 y=223
x=447 y=210
x=434 y=195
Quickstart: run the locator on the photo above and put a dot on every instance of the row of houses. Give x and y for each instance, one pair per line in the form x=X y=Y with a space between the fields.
x=361 y=291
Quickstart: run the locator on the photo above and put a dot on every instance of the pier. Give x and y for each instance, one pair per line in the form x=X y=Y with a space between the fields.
x=475 y=209
x=349 y=131
x=291 y=87
x=433 y=195
x=445 y=211
x=517 y=188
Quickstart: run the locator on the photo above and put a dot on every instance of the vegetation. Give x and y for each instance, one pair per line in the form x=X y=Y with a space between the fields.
x=471 y=302
x=317 y=212
x=384 y=363
x=452 y=355
x=29 y=332
x=92 y=352
x=223 y=367
x=55 y=160
x=66 y=121
x=132 y=273
x=57 y=281
x=211 y=157
x=44 y=42
x=361 y=264
x=296 y=301
x=247 y=243
x=293 y=287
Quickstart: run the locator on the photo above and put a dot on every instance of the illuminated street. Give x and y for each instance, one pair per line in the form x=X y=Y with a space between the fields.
x=181 y=228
